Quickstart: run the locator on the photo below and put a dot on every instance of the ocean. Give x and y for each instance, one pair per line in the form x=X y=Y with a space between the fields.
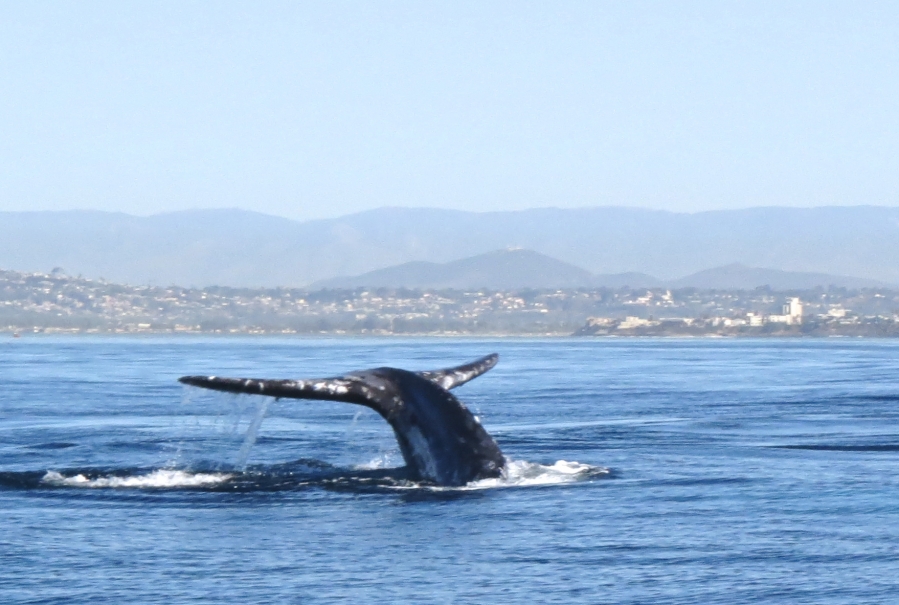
x=642 y=471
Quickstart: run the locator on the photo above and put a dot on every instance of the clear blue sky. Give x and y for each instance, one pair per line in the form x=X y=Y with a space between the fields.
x=320 y=109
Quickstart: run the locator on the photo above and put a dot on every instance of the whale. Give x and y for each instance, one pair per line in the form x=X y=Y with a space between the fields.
x=441 y=441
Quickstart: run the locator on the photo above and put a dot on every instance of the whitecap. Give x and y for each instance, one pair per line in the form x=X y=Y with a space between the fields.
x=157 y=479
x=520 y=473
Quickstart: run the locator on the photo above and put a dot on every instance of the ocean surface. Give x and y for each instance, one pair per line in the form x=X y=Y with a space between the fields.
x=643 y=471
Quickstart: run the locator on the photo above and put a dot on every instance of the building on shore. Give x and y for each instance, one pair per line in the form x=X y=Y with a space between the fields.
x=792 y=313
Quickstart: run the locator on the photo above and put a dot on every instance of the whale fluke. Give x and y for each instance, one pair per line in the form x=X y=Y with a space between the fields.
x=441 y=441
x=450 y=378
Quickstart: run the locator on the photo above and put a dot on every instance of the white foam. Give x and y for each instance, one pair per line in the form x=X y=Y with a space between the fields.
x=159 y=478
x=383 y=460
x=517 y=473
x=520 y=473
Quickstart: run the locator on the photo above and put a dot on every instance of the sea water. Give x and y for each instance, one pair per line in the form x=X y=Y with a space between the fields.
x=640 y=471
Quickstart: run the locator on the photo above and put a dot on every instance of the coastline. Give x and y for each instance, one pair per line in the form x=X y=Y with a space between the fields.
x=74 y=333
x=56 y=304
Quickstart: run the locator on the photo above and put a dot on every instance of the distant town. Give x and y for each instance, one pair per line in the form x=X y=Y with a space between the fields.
x=56 y=303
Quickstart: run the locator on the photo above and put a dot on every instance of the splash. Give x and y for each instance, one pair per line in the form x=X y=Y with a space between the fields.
x=520 y=473
x=382 y=460
x=157 y=479
x=218 y=430
x=377 y=474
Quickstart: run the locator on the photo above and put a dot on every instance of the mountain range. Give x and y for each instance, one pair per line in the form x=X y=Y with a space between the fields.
x=248 y=249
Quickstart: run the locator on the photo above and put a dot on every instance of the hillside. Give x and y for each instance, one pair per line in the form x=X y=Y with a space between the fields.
x=517 y=269
x=500 y=269
x=740 y=277
x=58 y=303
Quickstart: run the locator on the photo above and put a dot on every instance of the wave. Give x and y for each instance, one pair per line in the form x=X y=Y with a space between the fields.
x=162 y=478
x=828 y=447
x=301 y=474
x=520 y=473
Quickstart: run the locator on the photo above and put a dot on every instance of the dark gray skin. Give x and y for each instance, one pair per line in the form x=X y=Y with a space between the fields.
x=441 y=441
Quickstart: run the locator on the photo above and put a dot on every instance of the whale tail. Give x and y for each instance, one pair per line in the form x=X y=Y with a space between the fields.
x=450 y=378
x=357 y=387
x=438 y=436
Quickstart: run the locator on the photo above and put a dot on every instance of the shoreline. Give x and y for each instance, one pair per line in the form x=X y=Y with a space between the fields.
x=26 y=335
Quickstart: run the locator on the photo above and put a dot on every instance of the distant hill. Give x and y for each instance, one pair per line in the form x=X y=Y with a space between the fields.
x=500 y=269
x=239 y=248
x=741 y=277
x=517 y=269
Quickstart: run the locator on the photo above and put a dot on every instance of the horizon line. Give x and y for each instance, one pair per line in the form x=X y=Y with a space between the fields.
x=445 y=209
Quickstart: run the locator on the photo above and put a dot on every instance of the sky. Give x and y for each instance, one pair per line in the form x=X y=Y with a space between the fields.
x=319 y=109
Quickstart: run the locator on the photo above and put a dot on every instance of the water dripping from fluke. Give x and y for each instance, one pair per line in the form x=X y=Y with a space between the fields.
x=240 y=462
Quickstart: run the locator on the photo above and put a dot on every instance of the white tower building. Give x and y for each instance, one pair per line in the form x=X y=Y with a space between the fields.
x=793 y=309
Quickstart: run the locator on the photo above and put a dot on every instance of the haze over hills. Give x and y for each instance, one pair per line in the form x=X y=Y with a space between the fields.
x=517 y=269
x=240 y=248
x=499 y=270
x=741 y=277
